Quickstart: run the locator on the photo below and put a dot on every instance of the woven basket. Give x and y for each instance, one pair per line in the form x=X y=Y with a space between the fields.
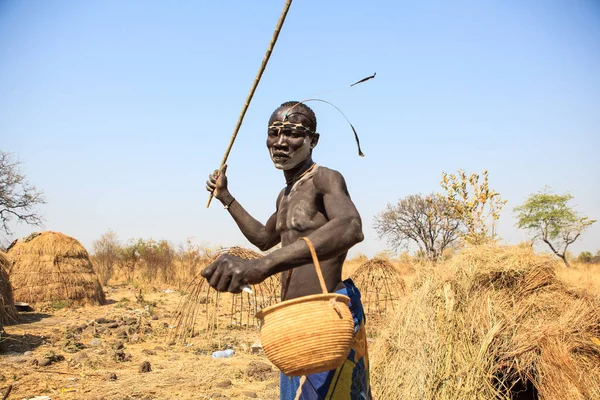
x=308 y=334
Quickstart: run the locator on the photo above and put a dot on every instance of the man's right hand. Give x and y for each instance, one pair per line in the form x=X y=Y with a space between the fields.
x=217 y=183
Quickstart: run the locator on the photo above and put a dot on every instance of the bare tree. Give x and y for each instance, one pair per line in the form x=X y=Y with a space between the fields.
x=107 y=250
x=18 y=197
x=424 y=221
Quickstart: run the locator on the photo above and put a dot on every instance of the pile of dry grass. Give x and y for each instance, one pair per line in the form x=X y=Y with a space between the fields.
x=200 y=298
x=381 y=286
x=53 y=269
x=492 y=322
x=8 y=312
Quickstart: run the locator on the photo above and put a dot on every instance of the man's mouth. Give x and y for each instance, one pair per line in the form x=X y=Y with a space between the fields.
x=280 y=157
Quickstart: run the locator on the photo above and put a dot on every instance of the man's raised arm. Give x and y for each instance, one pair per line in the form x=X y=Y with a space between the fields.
x=262 y=236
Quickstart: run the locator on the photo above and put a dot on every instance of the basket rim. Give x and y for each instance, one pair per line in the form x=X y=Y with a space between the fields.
x=304 y=299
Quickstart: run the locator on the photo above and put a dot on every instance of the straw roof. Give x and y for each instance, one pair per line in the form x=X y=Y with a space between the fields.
x=491 y=322
x=52 y=267
x=8 y=312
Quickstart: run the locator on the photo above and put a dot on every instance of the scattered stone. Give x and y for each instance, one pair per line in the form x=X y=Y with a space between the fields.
x=218 y=396
x=273 y=385
x=260 y=371
x=118 y=345
x=155 y=318
x=112 y=376
x=104 y=321
x=95 y=343
x=44 y=361
x=145 y=367
x=121 y=356
x=224 y=384
x=256 y=348
x=121 y=334
x=28 y=353
x=159 y=348
x=171 y=343
x=71 y=346
x=50 y=358
x=149 y=352
x=113 y=325
x=82 y=356
x=130 y=320
x=252 y=395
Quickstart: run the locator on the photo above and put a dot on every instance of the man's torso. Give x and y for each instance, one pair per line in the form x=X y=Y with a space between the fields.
x=300 y=212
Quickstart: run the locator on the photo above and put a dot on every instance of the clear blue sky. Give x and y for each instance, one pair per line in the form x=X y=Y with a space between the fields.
x=120 y=109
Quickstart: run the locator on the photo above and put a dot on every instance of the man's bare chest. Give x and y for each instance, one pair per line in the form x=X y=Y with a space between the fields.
x=300 y=209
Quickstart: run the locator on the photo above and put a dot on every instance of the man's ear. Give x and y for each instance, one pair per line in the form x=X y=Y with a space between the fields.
x=314 y=140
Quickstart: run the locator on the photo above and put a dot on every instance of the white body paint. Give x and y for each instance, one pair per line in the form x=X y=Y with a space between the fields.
x=295 y=158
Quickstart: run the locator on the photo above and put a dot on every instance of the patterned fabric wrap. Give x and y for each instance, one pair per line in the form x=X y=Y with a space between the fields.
x=350 y=381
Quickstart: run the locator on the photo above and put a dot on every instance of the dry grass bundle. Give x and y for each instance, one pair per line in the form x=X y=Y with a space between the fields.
x=493 y=323
x=201 y=298
x=8 y=312
x=381 y=286
x=53 y=269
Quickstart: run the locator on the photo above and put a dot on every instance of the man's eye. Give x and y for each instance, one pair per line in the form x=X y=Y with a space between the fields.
x=273 y=133
x=296 y=134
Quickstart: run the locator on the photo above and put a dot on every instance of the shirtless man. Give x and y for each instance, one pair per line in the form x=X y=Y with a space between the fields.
x=315 y=203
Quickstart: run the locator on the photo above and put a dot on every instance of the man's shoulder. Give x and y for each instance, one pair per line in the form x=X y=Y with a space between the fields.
x=327 y=178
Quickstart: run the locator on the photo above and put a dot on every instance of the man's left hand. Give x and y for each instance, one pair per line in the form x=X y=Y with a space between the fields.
x=230 y=273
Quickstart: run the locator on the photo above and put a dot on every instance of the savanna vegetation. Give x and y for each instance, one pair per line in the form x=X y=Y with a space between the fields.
x=452 y=313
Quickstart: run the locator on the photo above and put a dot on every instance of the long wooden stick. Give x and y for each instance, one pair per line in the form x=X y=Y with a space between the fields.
x=263 y=65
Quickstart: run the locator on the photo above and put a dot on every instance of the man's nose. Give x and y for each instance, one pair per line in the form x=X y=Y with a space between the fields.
x=281 y=141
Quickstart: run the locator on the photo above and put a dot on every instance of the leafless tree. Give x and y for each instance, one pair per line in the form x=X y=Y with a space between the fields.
x=18 y=198
x=423 y=221
x=107 y=251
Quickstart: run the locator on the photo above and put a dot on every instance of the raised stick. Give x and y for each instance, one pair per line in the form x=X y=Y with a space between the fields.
x=263 y=65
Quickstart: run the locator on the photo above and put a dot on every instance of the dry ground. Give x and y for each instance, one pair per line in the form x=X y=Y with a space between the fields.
x=84 y=346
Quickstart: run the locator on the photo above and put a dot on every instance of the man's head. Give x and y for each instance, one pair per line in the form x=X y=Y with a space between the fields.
x=291 y=134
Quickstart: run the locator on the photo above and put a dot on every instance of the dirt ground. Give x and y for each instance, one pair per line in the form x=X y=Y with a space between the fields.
x=124 y=350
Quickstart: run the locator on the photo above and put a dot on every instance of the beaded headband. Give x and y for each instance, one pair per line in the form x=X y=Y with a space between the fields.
x=290 y=125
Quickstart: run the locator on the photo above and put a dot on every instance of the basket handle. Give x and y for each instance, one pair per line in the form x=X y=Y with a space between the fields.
x=313 y=253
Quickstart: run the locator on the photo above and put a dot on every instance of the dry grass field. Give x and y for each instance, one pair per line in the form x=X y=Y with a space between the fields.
x=97 y=352
x=490 y=322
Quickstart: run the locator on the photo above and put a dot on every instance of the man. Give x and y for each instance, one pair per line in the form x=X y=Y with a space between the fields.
x=315 y=203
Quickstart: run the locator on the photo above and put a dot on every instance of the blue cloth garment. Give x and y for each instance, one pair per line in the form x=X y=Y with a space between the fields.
x=350 y=381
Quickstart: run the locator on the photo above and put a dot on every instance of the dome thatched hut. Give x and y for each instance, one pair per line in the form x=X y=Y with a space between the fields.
x=52 y=268
x=8 y=312
x=381 y=286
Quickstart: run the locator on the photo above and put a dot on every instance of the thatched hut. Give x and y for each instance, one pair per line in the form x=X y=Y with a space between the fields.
x=381 y=286
x=494 y=322
x=8 y=312
x=50 y=268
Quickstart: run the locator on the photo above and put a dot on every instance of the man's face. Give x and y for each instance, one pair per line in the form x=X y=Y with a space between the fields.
x=290 y=142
